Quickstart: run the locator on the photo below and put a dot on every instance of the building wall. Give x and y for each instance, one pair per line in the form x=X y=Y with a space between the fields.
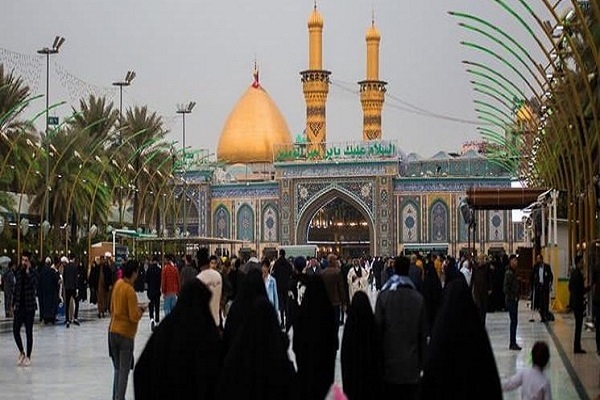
x=403 y=212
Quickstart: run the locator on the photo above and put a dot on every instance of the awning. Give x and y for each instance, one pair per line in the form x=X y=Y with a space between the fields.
x=502 y=198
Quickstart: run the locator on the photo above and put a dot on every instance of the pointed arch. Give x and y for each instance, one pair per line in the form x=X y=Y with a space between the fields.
x=222 y=222
x=245 y=223
x=438 y=222
x=310 y=209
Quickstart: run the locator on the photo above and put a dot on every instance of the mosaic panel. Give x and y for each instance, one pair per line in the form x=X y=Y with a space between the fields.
x=202 y=212
x=364 y=190
x=270 y=224
x=518 y=232
x=361 y=191
x=285 y=213
x=439 y=222
x=222 y=222
x=411 y=222
x=306 y=191
x=245 y=223
x=496 y=226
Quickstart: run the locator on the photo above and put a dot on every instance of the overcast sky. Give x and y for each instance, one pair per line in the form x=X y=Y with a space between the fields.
x=184 y=50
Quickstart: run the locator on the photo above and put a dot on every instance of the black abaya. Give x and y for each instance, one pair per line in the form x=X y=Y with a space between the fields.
x=360 y=355
x=181 y=359
x=460 y=363
x=315 y=341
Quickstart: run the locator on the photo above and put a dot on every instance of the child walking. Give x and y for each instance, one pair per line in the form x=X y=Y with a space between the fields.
x=534 y=384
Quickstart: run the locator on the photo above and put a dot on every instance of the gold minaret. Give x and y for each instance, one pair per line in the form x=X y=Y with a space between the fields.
x=372 y=90
x=315 y=85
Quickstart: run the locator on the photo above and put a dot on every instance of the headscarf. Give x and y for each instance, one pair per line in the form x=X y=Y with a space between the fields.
x=360 y=355
x=315 y=341
x=253 y=286
x=182 y=357
x=460 y=360
x=257 y=366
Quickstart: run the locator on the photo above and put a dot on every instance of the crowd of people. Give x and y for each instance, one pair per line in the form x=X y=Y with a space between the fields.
x=225 y=326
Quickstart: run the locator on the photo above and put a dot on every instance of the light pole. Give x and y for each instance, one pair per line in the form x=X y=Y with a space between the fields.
x=58 y=42
x=129 y=76
x=184 y=109
x=126 y=82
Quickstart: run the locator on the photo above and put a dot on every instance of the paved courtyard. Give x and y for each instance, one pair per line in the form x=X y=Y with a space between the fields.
x=74 y=362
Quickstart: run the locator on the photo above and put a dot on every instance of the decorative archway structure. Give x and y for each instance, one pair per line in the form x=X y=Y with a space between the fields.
x=327 y=196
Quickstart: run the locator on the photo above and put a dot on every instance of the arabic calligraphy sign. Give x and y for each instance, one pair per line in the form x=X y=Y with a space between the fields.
x=367 y=150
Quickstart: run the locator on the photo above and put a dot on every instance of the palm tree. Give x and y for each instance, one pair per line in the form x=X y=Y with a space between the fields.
x=141 y=135
x=75 y=173
x=16 y=133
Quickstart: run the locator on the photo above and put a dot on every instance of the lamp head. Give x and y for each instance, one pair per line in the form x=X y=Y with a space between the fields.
x=58 y=42
x=130 y=76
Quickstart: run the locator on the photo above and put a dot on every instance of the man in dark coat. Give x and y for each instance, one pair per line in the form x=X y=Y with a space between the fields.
x=282 y=272
x=401 y=317
x=577 y=290
x=48 y=285
x=153 y=280
x=24 y=306
x=82 y=282
x=481 y=285
x=70 y=273
x=332 y=278
x=511 y=294
x=377 y=271
x=541 y=282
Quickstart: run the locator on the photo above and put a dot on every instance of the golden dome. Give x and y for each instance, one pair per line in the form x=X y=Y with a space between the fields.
x=372 y=33
x=315 y=20
x=252 y=128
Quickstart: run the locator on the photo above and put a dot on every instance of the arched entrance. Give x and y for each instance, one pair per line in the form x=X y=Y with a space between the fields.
x=337 y=223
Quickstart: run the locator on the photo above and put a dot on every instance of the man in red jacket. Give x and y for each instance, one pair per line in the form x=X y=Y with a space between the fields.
x=169 y=284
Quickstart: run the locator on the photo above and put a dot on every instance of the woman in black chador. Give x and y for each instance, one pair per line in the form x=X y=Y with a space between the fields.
x=253 y=286
x=460 y=363
x=361 y=370
x=315 y=341
x=257 y=366
x=181 y=359
x=432 y=292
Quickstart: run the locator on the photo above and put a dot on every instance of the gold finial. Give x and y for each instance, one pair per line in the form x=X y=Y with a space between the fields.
x=256 y=82
x=372 y=15
x=315 y=6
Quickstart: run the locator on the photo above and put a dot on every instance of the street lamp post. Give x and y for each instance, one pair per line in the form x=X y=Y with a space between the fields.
x=129 y=76
x=184 y=109
x=58 y=42
x=126 y=82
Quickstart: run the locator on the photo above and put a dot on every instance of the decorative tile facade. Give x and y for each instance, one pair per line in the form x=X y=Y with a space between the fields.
x=496 y=226
x=410 y=219
x=270 y=223
x=400 y=209
x=245 y=223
